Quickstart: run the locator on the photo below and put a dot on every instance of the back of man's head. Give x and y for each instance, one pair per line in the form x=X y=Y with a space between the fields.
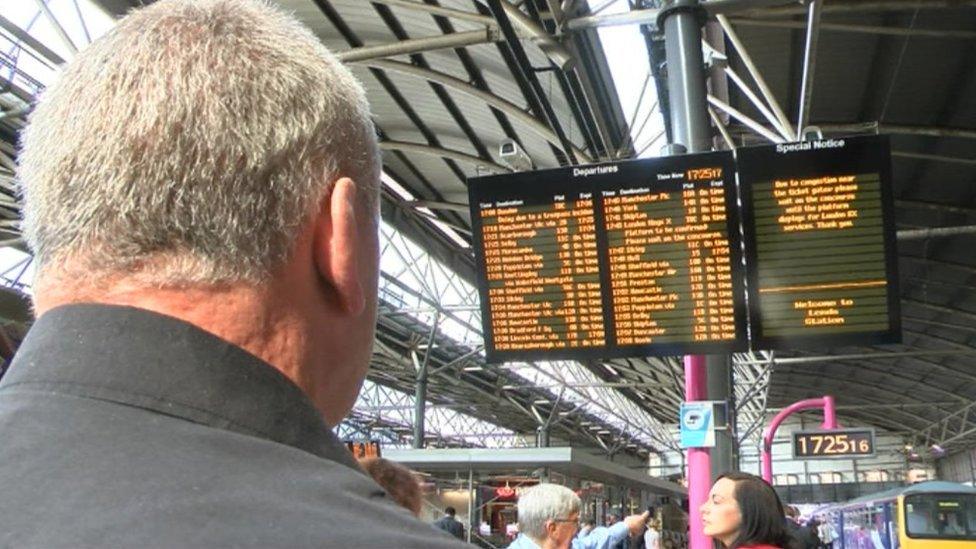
x=190 y=144
x=450 y=511
x=211 y=160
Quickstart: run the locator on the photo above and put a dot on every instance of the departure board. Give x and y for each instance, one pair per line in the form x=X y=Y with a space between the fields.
x=634 y=258
x=819 y=231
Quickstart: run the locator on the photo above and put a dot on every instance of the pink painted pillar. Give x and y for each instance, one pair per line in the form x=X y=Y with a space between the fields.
x=699 y=459
x=830 y=422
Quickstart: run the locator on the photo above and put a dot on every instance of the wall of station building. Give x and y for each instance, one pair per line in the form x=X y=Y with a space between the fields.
x=889 y=463
x=959 y=467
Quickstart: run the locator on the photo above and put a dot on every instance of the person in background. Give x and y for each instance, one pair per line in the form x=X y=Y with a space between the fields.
x=802 y=535
x=588 y=526
x=398 y=481
x=743 y=511
x=450 y=524
x=652 y=537
x=548 y=518
x=811 y=534
x=826 y=533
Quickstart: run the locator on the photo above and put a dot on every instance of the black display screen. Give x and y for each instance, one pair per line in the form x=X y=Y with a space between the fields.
x=634 y=258
x=838 y=443
x=820 y=243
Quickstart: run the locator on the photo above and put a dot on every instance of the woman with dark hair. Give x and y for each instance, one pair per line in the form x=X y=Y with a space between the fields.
x=744 y=512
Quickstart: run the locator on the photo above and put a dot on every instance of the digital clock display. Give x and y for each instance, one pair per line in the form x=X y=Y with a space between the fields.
x=702 y=174
x=839 y=443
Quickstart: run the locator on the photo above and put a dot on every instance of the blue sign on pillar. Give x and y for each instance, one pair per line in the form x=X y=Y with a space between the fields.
x=697 y=422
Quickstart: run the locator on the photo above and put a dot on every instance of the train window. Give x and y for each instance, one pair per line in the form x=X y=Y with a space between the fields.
x=941 y=516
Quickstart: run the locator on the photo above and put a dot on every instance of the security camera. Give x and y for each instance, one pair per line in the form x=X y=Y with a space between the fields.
x=514 y=157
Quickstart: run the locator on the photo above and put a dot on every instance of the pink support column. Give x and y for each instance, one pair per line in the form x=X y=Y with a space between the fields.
x=699 y=459
x=830 y=422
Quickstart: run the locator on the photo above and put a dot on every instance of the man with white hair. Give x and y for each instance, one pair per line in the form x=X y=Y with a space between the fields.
x=200 y=194
x=548 y=518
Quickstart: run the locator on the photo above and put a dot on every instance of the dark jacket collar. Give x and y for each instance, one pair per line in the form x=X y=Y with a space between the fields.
x=139 y=358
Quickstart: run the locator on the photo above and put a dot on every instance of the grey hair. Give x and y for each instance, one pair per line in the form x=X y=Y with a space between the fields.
x=192 y=143
x=542 y=503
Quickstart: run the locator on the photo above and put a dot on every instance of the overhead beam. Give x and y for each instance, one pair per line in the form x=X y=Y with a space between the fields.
x=420 y=148
x=861 y=29
x=503 y=105
x=934 y=157
x=439 y=10
x=539 y=102
x=419 y=45
x=34 y=44
x=862 y=356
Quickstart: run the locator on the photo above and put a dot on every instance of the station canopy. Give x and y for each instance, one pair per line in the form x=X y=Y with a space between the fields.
x=449 y=81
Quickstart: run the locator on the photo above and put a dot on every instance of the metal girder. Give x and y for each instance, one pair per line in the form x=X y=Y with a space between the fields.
x=419 y=45
x=538 y=101
x=31 y=42
x=936 y=232
x=503 y=105
x=741 y=117
x=905 y=419
x=750 y=65
x=59 y=30
x=862 y=6
x=840 y=383
x=525 y=26
x=862 y=29
x=951 y=429
x=934 y=157
x=935 y=206
x=421 y=148
x=439 y=10
x=894 y=373
x=864 y=356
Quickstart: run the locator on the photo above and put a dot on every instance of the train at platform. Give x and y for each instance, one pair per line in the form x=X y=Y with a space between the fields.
x=927 y=515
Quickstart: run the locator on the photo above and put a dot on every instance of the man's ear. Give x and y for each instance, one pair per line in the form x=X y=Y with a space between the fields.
x=337 y=246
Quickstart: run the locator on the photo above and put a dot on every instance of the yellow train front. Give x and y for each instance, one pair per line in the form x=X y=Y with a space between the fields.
x=928 y=515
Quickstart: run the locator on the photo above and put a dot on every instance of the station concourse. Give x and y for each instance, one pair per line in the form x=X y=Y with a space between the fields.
x=605 y=224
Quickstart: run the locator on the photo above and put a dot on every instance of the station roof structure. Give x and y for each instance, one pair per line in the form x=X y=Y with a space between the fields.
x=449 y=80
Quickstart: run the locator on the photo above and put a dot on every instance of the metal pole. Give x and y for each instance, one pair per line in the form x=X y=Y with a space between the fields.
x=420 y=409
x=699 y=459
x=830 y=422
x=682 y=21
x=719 y=388
x=809 y=66
x=472 y=519
x=542 y=436
x=686 y=75
x=420 y=403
